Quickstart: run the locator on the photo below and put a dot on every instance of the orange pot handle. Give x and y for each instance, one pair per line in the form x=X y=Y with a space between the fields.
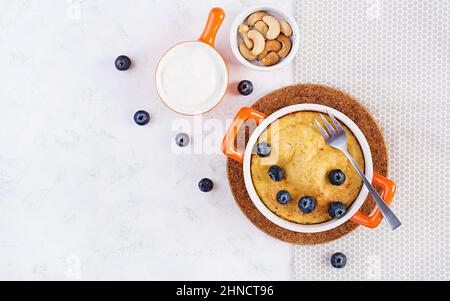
x=215 y=20
x=228 y=147
x=389 y=189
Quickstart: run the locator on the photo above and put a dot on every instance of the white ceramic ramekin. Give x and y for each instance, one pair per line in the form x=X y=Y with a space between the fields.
x=244 y=157
x=207 y=40
x=276 y=12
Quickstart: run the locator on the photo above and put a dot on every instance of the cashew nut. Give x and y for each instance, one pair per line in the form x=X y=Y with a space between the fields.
x=246 y=53
x=243 y=30
x=274 y=27
x=258 y=41
x=285 y=28
x=271 y=59
x=286 y=45
x=262 y=27
x=271 y=45
x=255 y=17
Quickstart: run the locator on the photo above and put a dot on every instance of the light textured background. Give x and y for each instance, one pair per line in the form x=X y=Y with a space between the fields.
x=395 y=57
x=85 y=193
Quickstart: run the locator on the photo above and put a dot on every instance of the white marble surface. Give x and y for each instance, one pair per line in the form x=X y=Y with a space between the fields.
x=84 y=192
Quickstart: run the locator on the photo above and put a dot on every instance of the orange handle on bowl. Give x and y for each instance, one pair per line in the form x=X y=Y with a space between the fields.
x=228 y=147
x=389 y=188
x=215 y=20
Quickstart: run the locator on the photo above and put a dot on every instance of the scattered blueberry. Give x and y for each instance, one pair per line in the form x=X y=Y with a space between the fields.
x=122 y=63
x=276 y=173
x=141 y=117
x=337 y=210
x=307 y=204
x=283 y=197
x=205 y=185
x=338 y=260
x=245 y=87
x=336 y=177
x=263 y=149
x=182 y=139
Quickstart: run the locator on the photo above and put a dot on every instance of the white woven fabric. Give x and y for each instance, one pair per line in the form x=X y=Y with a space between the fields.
x=395 y=57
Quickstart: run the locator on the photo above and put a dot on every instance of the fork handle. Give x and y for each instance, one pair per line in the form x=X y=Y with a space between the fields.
x=389 y=216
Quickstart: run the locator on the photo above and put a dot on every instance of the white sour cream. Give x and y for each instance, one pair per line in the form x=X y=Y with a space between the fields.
x=191 y=78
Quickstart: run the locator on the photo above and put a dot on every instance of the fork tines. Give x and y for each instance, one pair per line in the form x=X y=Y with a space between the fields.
x=332 y=131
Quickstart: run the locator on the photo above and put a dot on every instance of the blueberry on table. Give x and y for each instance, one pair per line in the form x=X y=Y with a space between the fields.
x=141 y=117
x=276 y=173
x=182 y=139
x=336 y=177
x=245 y=87
x=307 y=204
x=122 y=63
x=283 y=197
x=263 y=149
x=338 y=260
x=205 y=185
x=337 y=210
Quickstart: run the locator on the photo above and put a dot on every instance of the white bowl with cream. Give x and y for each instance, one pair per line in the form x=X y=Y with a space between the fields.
x=192 y=77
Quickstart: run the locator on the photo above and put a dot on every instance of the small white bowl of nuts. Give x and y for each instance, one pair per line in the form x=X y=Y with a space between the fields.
x=264 y=38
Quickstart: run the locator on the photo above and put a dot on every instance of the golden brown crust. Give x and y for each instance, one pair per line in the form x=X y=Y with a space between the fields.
x=299 y=148
x=319 y=94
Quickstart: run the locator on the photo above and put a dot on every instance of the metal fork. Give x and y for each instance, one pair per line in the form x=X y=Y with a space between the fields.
x=337 y=138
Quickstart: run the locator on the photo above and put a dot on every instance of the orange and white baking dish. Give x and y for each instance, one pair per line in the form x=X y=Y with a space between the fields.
x=192 y=77
x=244 y=156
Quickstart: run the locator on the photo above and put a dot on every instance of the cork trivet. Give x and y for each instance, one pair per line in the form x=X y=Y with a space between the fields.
x=310 y=93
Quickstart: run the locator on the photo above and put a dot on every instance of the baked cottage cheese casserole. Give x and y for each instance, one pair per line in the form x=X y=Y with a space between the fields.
x=299 y=177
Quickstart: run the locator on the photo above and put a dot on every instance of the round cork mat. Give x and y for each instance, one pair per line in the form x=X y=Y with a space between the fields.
x=310 y=93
